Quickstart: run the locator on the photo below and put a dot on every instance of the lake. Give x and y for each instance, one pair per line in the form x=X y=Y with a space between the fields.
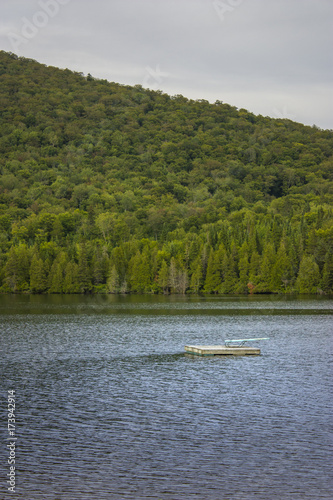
x=108 y=406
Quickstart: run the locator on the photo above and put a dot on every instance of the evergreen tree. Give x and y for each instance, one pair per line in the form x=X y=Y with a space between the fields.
x=308 y=278
x=100 y=266
x=183 y=279
x=230 y=278
x=163 y=277
x=113 y=284
x=139 y=273
x=84 y=277
x=57 y=274
x=17 y=269
x=213 y=276
x=196 y=277
x=173 y=276
x=281 y=273
x=71 y=281
x=254 y=268
x=56 y=278
x=267 y=263
x=326 y=283
x=38 y=278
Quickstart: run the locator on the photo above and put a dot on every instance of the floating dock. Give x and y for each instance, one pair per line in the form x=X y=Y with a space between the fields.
x=220 y=350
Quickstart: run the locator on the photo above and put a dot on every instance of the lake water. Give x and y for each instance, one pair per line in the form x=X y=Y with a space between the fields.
x=108 y=406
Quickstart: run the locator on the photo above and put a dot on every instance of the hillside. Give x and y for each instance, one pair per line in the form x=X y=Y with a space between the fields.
x=112 y=188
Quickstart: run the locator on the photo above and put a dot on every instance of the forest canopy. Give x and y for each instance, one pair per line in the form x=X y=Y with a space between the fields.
x=109 y=188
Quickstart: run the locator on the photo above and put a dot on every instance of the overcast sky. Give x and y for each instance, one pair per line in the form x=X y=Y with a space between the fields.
x=272 y=57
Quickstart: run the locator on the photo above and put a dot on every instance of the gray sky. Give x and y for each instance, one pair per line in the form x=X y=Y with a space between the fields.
x=272 y=57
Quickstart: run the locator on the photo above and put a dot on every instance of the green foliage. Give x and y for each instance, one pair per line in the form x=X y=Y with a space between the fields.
x=308 y=277
x=117 y=189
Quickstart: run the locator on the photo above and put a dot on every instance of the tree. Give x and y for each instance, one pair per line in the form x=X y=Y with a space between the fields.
x=213 y=275
x=281 y=273
x=84 y=277
x=243 y=266
x=57 y=274
x=139 y=273
x=326 y=283
x=17 y=268
x=197 y=276
x=267 y=263
x=173 y=276
x=100 y=265
x=254 y=268
x=308 y=278
x=113 y=284
x=230 y=278
x=71 y=281
x=182 y=279
x=38 y=278
x=163 y=277
x=105 y=223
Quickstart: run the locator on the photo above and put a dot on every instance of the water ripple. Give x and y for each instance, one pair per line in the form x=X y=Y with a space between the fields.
x=109 y=406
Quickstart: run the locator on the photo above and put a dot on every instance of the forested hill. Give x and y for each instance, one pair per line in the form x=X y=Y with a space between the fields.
x=112 y=188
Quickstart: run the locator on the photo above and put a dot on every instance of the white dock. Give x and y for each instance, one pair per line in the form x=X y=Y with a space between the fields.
x=220 y=350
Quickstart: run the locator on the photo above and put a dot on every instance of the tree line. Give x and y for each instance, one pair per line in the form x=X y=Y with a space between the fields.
x=262 y=253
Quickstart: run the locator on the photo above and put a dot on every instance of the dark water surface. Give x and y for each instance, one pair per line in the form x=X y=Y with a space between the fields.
x=109 y=406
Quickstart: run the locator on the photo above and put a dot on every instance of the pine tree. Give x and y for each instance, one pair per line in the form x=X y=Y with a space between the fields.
x=84 y=277
x=113 y=284
x=173 y=276
x=254 y=268
x=213 y=276
x=56 y=278
x=17 y=269
x=38 y=278
x=196 y=278
x=57 y=274
x=100 y=266
x=183 y=279
x=139 y=273
x=281 y=272
x=163 y=277
x=243 y=266
x=230 y=278
x=308 y=278
x=326 y=283
x=267 y=263
x=71 y=281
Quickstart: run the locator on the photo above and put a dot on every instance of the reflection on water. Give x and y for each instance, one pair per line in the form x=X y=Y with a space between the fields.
x=109 y=406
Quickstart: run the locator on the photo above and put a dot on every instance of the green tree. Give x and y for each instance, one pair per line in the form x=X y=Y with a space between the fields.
x=84 y=275
x=57 y=273
x=243 y=266
x=17 y=268
x=268 y=261
x=197 y=276
x=308 y=278
x=183 y=279
x=173 y=276
x=281 y=273
x=113 y=283
x=326 y=283
x=213 y=276
x=230 y=278
x=140 y=273
x=163 y=277
x=254 y=268
x=38 y=277
x=71 y=281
